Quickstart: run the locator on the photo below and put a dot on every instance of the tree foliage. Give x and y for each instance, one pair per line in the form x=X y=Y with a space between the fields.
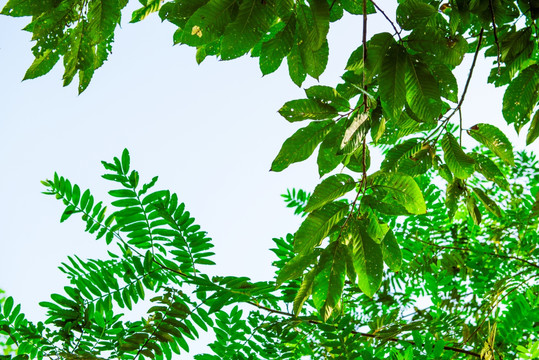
x=374 y=245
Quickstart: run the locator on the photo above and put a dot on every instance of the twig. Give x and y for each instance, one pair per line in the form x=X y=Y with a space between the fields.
x=397 y=32
x=367 y=335
x=495 y=35
x=459 y=105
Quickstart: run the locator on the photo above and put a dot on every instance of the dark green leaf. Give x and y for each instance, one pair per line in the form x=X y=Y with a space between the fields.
x=489 y=204
x=495 y=140
x=533 y=131
x=460 y=164
x=392 y=80
x=330 y=189
x=391 y=251
x=297 y=110
x=295 y=267
x=520 y=97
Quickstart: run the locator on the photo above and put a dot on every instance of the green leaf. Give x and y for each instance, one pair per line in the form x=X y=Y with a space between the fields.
x=296 y=70
x=489 y=170
x=301 y=145
x=489 y=204
x=391 y=251
x=103 y=16
x=533 y=131
x=329 y=280
x=422 y=93
x=399 y=188
x=446 y=81
x=412 y=14
x=302 y=109
x=330 y=189
x=520 y=97
x=495 y=140
x=150 y=7
x=392 y=80
x=8 y=305
x=367 y=256
x=354 y=134
x=274 y=50
x=356 y=7
x=253 y=20
x=42 y=64
x=295 y=267
x=304 y=291
x=460 y=164
x=473 y=210
x=453 y=193
x=328 y=159
x=208 y=23
x=318 y=225
x=399 y=152
x=320 y=23
x=328 y=96
x=18 y=8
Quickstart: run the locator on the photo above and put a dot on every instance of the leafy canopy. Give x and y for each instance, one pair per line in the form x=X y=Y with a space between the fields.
x=374 y=245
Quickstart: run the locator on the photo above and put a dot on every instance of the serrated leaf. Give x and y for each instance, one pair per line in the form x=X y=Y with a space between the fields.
x=495 y=140
x=317 y=226
x=520 y=97
x=392 y=80
x=533 y=131
x=330 y=189
x=253 y=20
x=367 y=257
x=460 y=164
x=422 y=92
x=301 y=144
x=303 y=109
x=304 y=291
x=391 y=251
x=399 y=188
x=489 y=204
x=295 y=267
x=329 y=280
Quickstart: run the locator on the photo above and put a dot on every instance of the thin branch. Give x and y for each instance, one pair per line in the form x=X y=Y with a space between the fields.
x=495 y=35
x=468 y=80
x=397 y=32
x=367 y=335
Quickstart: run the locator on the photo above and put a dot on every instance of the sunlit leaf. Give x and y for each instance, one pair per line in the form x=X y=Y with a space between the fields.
x=460 y=164
x=495 y=140
x=330 y=189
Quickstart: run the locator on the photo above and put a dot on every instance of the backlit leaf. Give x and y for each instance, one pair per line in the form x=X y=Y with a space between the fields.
x=401 y=189
x=520 y=97
x=460 y=164
x=330 y=189
x=533 y=131
x=318 y=225
x=392 y=80
x=295 y=267
x=301 y=145
x=489 y=204
x=495 y=140
x=422 y=93
x=391 y=251
x=302 y=109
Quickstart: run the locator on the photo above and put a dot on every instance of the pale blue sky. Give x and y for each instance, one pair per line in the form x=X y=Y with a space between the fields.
x=210 y=132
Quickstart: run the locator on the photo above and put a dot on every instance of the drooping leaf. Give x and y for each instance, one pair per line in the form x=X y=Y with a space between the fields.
x=253 y=20
x=489 y=204
x=391 y=251
x=304 y=291
x=453 y=193
x=399 y=152
x=399 y=188
x=318 y=225
x=150 y=7
x=103 y=16
x=295 y=267
x=412 y=14
x=533 y=131
x=330 y=189
x=329 y=96
x=354 y=134
x=489 y=170
x=473 y=210
x=460 y=164
x=392 y=80
x=329 y=280
x=520 y=97
x=495 y=140
x=446 y=81
x=296 y=70
x=328 y=157
x=302 y=109
x=301 y=145
x=422 y=92
x=207 y=24
x=42 y=64
x=274 y=50
x=368 y=259
x=313 y=25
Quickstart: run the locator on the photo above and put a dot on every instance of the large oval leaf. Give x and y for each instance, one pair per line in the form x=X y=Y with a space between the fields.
x=330 y=189
x=460 y=164
x=401 y=189
x=302 y=109
x=391 y=80
x=495 y=140
x=422 y=92
x=301 y=145
x=317 y=226
x=520 y=97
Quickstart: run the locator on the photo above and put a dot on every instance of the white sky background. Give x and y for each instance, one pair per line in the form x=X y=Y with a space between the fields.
x=210 y=132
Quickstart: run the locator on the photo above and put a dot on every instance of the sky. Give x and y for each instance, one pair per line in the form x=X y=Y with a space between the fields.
x=209 y=131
